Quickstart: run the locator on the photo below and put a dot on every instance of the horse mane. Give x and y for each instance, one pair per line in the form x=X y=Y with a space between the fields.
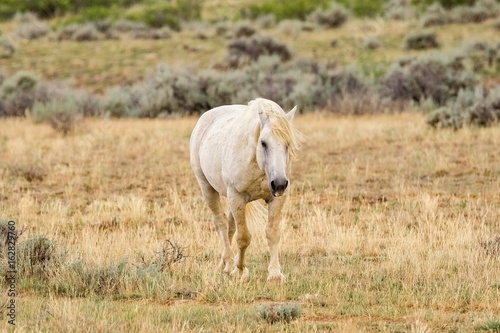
x=281 y=128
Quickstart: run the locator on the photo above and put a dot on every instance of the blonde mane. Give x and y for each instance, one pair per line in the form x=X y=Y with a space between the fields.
x=281 y=128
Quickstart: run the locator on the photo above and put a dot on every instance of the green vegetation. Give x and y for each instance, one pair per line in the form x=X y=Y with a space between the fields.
x=259 y=61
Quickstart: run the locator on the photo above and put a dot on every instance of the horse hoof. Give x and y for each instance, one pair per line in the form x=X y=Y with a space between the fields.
x=276 y=278
x=244 y=274
x=225 y=266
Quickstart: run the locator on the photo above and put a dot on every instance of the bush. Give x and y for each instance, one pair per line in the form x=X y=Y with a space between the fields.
x=61 y=114
x=421 y=40
x=274 y=313
x=7 y=48
x=426 y=77
x=471 y=107
x=475 y=12
x=17 y=93
x=29 y=27
x=36 y=257
x=127 y=26
x=90 y=31
x=398 y=10
x=481 y=56
x=333 y=17
x=163 y=33
x=372 y=43
x=266 y=21
x=435 y=15
x=78 y=280
x=244 y=30
x=86 y=32
x=290 y=27
x=246 y=50
x=479 y=12
x=162 y=92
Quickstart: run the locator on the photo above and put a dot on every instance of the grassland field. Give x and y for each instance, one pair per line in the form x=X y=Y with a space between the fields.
x=386 y=229
x=391 y=226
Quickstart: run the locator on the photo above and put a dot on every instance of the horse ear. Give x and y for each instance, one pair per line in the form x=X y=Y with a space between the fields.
x=291 y=114
x=264 y=119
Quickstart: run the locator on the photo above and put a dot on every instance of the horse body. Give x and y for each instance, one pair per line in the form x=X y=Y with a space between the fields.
x=242 y=152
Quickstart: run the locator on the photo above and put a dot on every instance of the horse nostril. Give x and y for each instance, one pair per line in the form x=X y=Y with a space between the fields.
x=273 y=186
x=286 y=184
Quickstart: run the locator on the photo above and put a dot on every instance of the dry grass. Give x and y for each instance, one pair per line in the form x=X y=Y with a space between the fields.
x=385 y=229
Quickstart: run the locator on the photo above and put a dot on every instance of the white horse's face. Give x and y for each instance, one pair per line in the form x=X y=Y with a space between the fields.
x=272 y=156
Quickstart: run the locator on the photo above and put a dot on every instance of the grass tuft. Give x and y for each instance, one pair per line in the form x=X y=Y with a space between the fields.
x=275 y=313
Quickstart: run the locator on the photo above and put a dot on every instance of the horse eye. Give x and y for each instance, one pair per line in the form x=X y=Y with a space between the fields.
x=264 y=145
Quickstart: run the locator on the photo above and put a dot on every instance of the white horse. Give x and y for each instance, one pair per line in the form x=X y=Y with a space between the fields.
x=243 y=152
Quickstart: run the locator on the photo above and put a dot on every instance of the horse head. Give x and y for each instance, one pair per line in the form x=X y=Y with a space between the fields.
x=275 y=145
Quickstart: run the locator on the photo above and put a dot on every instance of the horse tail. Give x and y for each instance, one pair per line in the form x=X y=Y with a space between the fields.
x=255 y=213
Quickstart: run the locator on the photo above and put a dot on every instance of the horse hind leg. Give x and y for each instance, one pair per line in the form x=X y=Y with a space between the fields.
x=231 y=224
x=212 y=198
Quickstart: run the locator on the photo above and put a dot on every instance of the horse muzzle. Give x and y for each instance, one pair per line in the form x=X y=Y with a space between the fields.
x=278 y=187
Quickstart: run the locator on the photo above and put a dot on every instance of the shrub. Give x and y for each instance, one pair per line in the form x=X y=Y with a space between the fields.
x=476 y=107
x=86 y=32
x=245 y=50
x=435 y=15
x=266 y=21
x=492 y=325
x=79 y=280
x=274 y=313
x=90 y=31
x=333 y=17
x=372 y=43
x=479 y=12
x=127 y=26
x=426 y=77
x=118 y=102
x=18 y=93
x=421 y=40
x=7 y=48
x=163 y=33
x=36 y=256
x=398 y=10
x=244 y=30
x=61 y=114
x=169 y=254
x=67 y=32
x=29 y=27
x=475 y=12
x=290 y=27
x=162 y=92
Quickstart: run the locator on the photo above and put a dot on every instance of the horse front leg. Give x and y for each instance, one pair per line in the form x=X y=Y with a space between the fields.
x=273 y=235
x=237 y=206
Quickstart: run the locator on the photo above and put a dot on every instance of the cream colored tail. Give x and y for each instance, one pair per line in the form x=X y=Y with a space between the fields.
x=256 y=214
